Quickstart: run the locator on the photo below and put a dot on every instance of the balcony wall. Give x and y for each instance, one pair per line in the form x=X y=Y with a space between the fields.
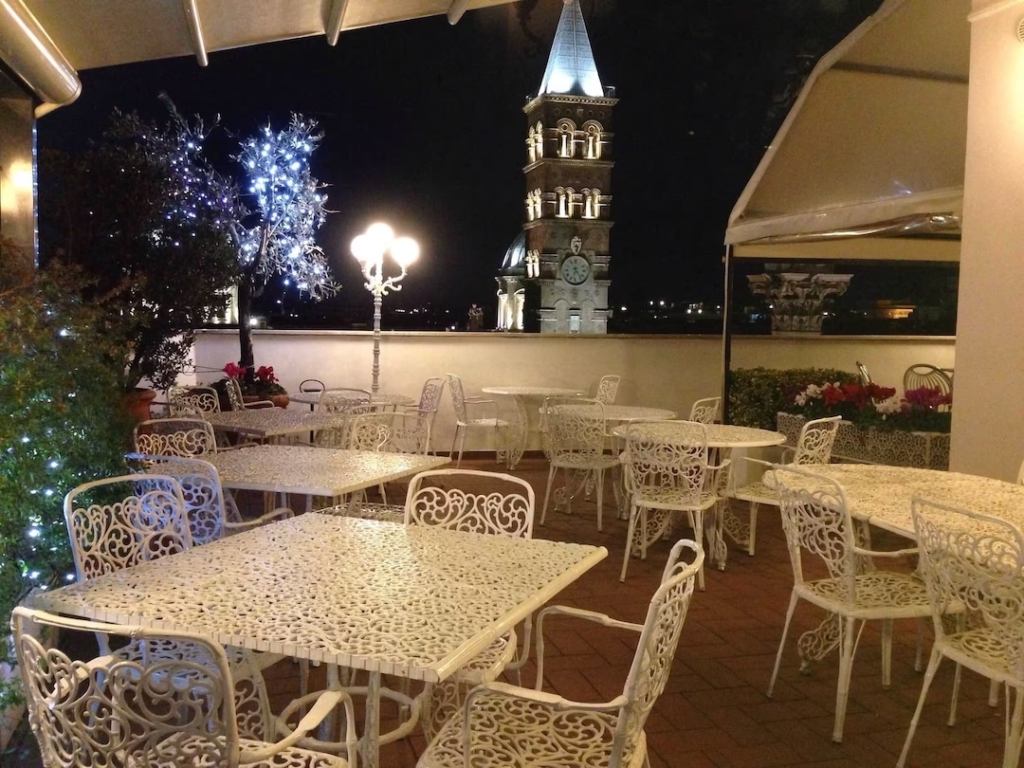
x=661 y=371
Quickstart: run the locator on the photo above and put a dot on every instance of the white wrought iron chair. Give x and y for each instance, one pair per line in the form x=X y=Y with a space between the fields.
x=237 y=402
x=502 y=725
x=211 y=513
x=574 y=440
x=192 y=401
x=311 y=385
x=463 y=422
x=174 y=437
x=477 y=502
x=607 y=388
x=664 y=478
x=924 y=375
x=417 y=432
x=813 y=446
x=819 y=529
x=862 y=373
x=705 y=410
x=161 y=710
x=973 y=567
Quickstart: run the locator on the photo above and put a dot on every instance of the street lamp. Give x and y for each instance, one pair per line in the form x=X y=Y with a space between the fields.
x=369 y=249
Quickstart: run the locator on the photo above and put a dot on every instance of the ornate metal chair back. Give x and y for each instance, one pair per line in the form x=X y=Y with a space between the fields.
x=814 y=444
x=458 y=397
x=193 y=401
x=430 y=396
x=369 y=431
x=410 y=432
x=119 y=522
x=705 y=410
x=312 y=385
x=174 y=709
x=924 y=375
x=174 y=437
x=679 y=464
x=505 y=507
x=974 y=563
x=862 y=373
x=817 y=525
x=201 y=489
x=656 y=650
x=234 y=392
x=574 y=429
x=608 y=388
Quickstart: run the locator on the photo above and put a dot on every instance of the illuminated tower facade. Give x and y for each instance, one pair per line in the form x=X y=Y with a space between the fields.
x=564 y=247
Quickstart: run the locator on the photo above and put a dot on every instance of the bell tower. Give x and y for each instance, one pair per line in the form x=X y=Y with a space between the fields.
x=570 y=155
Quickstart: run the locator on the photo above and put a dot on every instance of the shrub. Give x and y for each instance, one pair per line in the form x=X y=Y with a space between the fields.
x=61 y=424
x=757 y=394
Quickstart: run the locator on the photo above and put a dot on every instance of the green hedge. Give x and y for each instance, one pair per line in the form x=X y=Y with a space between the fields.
x=757 y=394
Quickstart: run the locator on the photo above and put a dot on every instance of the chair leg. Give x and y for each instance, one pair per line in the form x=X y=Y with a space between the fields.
x=922 y=626
x=993 y=694
x=462 y=444
x=633 y=511
x=929 y=675
x=697 y=519
x=643 y=533
x=600 y=499
x=847 y=645
x=547 y=494
x=886 y=653
x=752 y=535
x=951 y=720
x=1015 y=734
x=782 y=642
x=455 y=438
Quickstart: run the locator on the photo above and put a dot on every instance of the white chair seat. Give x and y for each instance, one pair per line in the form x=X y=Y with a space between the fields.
x=985 y=644
x=493 y=423
x=511 y=731
x=195 y=745
x=758 y=493
x=576 y=461
x=671 y=498
x=879 y=594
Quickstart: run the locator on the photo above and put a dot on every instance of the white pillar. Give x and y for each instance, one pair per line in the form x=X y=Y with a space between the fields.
x=988 y=408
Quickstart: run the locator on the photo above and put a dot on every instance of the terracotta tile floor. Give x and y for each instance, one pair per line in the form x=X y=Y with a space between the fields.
x=714 y=711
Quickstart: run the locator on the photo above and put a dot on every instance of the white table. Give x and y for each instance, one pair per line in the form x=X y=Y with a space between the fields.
x=881 y=495
x=723 y=439
x=521 y=425
x=624 y=414
x=312 y=399
x=417 y=602
x=303 y=469
x=264 y=423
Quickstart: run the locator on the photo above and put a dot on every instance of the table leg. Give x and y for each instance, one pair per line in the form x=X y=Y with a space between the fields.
x=714 y=530
x=370 y=746
x=511 y=452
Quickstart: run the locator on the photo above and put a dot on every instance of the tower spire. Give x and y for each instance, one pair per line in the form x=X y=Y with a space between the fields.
x=571 y=67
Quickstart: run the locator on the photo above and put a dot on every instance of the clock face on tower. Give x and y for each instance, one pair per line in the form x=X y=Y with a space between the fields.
x=575 y=269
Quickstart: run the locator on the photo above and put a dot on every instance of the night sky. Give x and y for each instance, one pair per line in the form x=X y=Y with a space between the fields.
x=424 y=127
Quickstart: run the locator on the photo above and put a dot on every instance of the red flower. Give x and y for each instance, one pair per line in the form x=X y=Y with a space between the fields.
x=234 y=371
x=832 y=395
x=926 y=398
x=265 y=373
x=875 y=392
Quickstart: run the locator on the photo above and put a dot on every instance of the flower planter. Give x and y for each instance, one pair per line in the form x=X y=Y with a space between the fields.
x=137 y=403
x=929 y=450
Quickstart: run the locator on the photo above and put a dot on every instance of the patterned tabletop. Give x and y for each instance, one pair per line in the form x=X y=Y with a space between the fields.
x=381 y=398
x=413 y=601
x=882 y=494
x=314 y=471
x=627 y=413
x=528 y=391
x=272 y=422
x=719 y=435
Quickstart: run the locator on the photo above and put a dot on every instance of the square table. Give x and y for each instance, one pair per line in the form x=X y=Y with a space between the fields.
x=311 y=471
x=264 y=423
x=412 y=601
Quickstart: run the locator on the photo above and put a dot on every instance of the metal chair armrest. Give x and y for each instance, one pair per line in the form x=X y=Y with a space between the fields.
x=890 y=553
x=576 y=613
x=259 y=404
x=281 y=513
x=325 y=702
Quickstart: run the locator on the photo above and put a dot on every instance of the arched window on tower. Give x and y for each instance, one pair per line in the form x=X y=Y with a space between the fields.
x=538 y=204
x=531 y=145
x=592 y=203
x=562 y=203
x=570 y=196
x=593 y=142
x=529 y=206
x=566 y=138
x=538 y=140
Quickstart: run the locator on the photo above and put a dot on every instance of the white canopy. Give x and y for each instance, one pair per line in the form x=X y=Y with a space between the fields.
x=876 y=141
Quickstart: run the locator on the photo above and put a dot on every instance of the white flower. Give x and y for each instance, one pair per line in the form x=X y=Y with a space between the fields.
x=889 y=405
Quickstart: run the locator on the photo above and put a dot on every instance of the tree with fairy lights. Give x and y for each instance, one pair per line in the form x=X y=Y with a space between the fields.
x=277 y=220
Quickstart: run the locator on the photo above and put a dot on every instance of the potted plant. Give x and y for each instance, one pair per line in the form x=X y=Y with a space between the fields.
x=262 y=384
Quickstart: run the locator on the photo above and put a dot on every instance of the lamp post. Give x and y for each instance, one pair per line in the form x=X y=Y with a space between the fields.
x=369 y=249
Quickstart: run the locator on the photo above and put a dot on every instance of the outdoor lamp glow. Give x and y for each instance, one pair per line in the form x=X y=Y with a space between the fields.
x=405 y=251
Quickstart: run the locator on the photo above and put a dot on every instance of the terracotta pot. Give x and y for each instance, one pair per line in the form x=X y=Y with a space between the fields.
x=136 y=403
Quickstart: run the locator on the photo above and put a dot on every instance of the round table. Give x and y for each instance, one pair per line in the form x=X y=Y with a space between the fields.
x=882 y=495
x=381 y=398
x=627 y=413
x=723 y=438
x=520 y=424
